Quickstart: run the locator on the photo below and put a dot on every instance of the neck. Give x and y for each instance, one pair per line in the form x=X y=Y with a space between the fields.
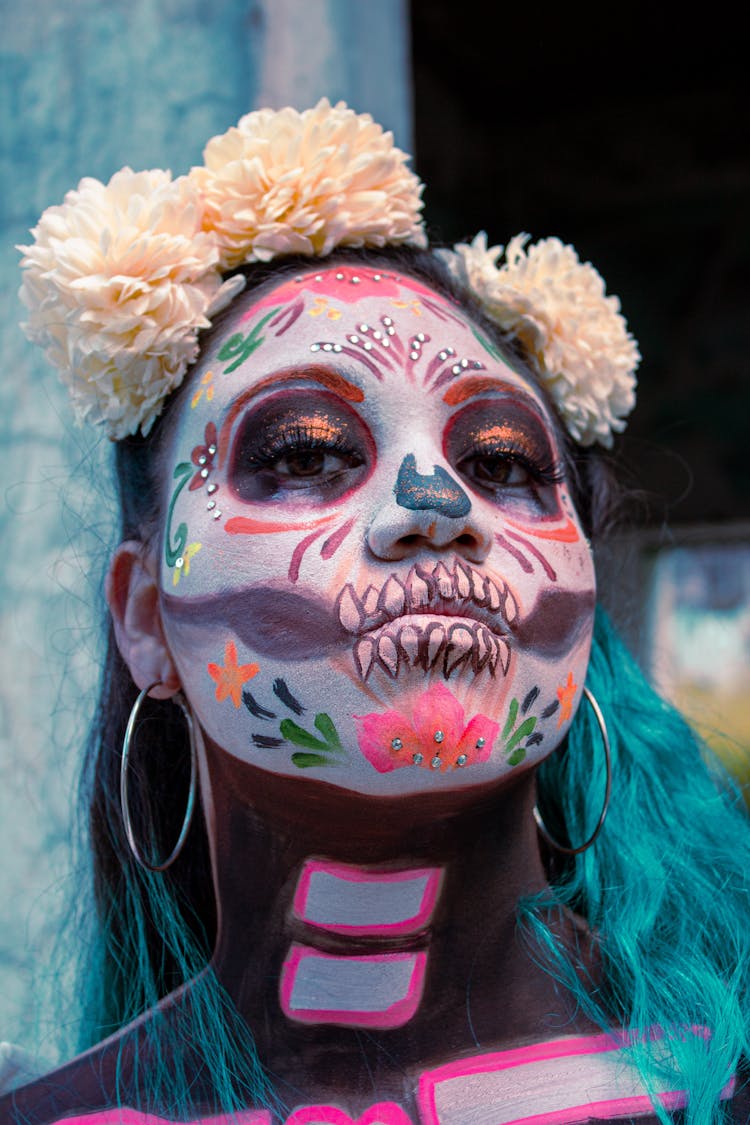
x=400 y=913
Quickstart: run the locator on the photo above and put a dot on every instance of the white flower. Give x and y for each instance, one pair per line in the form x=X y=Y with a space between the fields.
x=117 y=284
x=284 y=182
x=557 y=306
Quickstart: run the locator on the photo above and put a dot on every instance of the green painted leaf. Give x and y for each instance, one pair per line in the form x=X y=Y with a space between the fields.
x=517 y=756
x=324 y=723
x=176 y=541
x=510 y=722
x=239 y=347
x=525 y=728
x=299 y=736
x=304 y=761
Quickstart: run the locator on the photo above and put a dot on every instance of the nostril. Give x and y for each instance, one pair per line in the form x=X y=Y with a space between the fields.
x=466 y=540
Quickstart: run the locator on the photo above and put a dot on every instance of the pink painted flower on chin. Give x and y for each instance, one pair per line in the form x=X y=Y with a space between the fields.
x=435 y=736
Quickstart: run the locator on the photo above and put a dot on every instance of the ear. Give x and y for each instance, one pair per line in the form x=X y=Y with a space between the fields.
x=132 y=591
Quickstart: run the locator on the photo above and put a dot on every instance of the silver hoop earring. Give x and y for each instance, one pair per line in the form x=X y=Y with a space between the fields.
x=553 y=843
x=127 y=823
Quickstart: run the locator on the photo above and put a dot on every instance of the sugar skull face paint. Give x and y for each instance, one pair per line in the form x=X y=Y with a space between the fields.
x=372 y=570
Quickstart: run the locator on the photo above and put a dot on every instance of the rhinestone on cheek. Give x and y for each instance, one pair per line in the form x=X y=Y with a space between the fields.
x=480 y=743
x=436 y=763
x=461 y=760
x=439 y=736
x=396 y=744
x=417 y=759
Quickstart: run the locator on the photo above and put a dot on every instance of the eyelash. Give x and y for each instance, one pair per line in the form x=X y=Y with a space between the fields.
x=298 y=440
x=545 y=473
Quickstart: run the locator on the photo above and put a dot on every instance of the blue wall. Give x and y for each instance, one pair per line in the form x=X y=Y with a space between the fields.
x=85 y=88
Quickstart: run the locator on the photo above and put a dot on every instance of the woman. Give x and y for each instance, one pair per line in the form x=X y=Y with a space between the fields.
x=355 y=555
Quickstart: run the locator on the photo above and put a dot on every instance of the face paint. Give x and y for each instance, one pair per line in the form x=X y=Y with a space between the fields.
x=382 y=578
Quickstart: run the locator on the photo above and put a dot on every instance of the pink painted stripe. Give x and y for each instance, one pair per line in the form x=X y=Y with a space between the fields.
x=555 y=1049
x=349 y=874
x=333 y=542
x=384 y=1113
x=125 y=1116
x=395 y=1015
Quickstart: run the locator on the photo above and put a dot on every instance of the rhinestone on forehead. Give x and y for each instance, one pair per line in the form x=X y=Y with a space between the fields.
x=352 y=279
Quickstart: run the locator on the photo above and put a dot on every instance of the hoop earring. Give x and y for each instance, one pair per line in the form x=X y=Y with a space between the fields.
x=608 y=790
x=187 y=820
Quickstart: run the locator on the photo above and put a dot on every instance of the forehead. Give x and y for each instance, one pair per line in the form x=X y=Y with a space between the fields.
x=378 y=329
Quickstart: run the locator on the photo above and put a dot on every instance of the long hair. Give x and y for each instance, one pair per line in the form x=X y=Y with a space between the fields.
x=673 y=943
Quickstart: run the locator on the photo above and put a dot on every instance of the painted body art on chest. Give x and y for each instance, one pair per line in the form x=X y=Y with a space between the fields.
x=565 y=1081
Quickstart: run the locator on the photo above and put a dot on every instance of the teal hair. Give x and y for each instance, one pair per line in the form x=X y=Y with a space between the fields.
x=194 y=1047
x=664 y=888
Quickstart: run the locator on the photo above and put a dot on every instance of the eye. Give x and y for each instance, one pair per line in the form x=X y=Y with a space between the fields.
x=304 y=446
x=496 y=470
x=505 y=450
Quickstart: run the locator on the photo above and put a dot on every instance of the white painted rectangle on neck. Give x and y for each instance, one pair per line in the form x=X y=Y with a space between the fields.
x=379 y=991
x=562 y=1082
x=352 y=900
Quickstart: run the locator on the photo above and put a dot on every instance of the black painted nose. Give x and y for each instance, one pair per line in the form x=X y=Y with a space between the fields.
x=438 y=491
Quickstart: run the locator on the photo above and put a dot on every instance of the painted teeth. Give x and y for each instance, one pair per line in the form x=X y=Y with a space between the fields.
x=463 y=582
x=510 y=609
x=418 y=590
x=483 y=648
x=388 y=654
x=437 y=646
x=461 y=641
x=435 y=643
x=478 y=592
x=493 y=595
x=351 y=614
x=370 y=601
x=416 y=642
x=444 y=580
x=409 y=639
x=364 y=656
x=392 y=597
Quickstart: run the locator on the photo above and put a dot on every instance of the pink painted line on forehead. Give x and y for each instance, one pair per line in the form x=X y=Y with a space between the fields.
x=347 y=284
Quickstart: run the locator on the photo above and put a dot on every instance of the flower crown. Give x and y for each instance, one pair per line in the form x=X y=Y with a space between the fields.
x=122 y=276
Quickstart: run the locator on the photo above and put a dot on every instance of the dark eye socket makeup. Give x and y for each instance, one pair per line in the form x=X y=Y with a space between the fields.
x=308 y=443
x=501 y=446
x=300 y=440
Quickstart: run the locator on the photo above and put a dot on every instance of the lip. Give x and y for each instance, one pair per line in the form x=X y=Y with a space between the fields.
x=448 y=644
x=460 y=592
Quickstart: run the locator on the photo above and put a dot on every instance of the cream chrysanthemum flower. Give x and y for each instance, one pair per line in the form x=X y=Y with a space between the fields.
x=284 y=182
x=557 y=306
x=118 y=282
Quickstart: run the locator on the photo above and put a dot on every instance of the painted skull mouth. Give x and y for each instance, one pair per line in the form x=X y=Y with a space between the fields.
x=434 y=618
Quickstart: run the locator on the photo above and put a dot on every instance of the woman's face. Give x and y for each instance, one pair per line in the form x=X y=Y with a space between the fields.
x=372 y=573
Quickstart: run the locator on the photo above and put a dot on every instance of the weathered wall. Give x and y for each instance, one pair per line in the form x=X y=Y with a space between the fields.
x=85 y=88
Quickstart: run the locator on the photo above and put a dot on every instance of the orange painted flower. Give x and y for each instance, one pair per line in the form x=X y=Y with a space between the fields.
x=566 y=694
x=232 y=676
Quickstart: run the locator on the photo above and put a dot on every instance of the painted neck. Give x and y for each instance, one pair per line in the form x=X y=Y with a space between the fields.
x=417 y=897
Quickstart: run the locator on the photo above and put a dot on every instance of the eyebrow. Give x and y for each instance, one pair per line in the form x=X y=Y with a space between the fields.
x=478 y=384
x=331 y=380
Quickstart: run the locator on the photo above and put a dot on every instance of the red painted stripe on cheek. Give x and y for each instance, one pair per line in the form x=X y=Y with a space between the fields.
x=243 y=525
x=567 y=534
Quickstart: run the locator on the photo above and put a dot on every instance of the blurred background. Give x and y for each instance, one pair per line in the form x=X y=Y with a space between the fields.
x=627 y=138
